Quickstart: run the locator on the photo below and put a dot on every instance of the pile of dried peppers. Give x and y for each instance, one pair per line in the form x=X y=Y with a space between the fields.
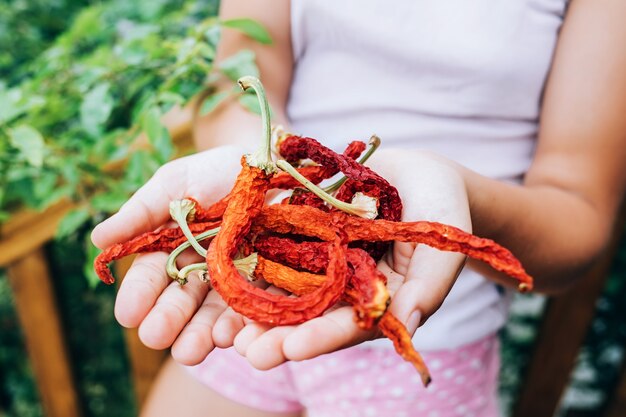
x=321 y=245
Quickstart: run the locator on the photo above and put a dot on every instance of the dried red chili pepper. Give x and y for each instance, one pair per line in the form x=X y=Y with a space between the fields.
x=297 y=147
x=205 y=218
x=165 y=240
x=365 y=277
x=366 y=285
x=289 y=279
x=247 y=200
x=303 y=197
x=394 y=330
x=360 y=180
x=297 y=219
x=283 y=181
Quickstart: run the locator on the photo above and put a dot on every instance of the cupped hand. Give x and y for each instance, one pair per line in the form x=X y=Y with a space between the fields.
x=167 y=314
x=419 y=277
x=193 y=320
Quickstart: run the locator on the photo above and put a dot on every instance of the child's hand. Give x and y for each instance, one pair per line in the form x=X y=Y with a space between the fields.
x=418 y=278
x=193 y=320
x=148 y=298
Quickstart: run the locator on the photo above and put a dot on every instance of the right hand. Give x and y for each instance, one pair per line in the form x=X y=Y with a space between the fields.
x=167 y=314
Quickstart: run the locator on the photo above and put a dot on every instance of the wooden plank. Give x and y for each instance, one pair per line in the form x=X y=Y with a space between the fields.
x=29 y=229
x=145 y=362
x=563 y=330
x=617 y=404
x=36 y=309
x=34 y=231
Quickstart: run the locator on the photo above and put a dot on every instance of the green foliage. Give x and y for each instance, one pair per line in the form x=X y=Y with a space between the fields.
x=250 y=28
x=602 y=355
x=81 y=103
x=96 y=343
x=26 y=29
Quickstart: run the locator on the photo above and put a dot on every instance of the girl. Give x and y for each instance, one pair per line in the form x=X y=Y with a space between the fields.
x=502 y=118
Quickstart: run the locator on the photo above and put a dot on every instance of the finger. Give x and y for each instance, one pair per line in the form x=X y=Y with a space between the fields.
x=228 y=324
x=145 y=211
x=394 y=278
x=332 y=331
x=247 y=335
x=429 y=278
x=266 y=351
x=195 y=342
x=206 y=176
x=141 y=287
x=171 y=313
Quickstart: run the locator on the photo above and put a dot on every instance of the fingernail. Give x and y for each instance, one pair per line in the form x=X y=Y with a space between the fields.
x=414 y=321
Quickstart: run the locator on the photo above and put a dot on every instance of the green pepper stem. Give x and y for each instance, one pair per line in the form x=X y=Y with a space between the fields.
x=245 y=265
x=181 y=210
x=262 y=157
x=362 y=206
x=170 y=265
x=374 y=144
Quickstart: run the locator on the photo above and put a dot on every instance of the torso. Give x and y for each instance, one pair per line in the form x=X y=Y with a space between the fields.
x=463 y=79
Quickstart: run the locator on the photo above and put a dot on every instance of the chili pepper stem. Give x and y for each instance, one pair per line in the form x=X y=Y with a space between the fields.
x=374 y=144
x=181 y=210
x=362 y=205
x=245 y=265
x=262 y=157
x=170 y=265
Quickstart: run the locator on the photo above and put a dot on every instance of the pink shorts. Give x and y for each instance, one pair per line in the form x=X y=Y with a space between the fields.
x=363 y=381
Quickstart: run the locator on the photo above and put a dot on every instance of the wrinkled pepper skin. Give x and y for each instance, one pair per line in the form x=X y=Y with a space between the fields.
x=289 y=220
x=253 y=302
x=165 y=240
x=366 y=290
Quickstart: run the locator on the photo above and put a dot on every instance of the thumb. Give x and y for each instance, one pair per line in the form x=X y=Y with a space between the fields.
x=146 y=210
x=206 y=176
x=428 y=281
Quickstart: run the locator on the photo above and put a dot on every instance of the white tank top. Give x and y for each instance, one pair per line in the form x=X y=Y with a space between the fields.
x=460 y=78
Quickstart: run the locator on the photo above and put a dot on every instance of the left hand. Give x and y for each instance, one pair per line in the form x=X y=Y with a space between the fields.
x=419 y=277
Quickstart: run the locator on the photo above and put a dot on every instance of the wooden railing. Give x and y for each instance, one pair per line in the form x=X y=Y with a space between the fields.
x=22 y=239
x=22 y=254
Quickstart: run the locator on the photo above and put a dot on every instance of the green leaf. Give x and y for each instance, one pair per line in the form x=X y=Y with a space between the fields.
x=251 y=103
x=45 y=183
x=14 y=104
x=30 y=143
x=71 y=222
x=251 y=28
x=109 y=202
x=132 y=54
x=96 y=109
x=240 y=64
x=158 y=135
x=151 y=123
x=211 y=102
x=168 y=97
x=55 y=195
x=140 y=167
x=212 y=35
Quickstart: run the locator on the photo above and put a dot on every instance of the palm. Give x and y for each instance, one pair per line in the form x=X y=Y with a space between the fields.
x=193 y=320
x=147 y=298
x=418 y=278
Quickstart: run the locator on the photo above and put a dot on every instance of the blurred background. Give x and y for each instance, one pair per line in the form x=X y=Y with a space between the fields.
x=87 y=90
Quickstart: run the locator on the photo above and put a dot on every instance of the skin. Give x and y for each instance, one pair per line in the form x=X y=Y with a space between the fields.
x=557 y=222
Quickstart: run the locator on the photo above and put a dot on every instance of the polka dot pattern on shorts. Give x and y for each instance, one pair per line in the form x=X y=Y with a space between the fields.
x=363 y=381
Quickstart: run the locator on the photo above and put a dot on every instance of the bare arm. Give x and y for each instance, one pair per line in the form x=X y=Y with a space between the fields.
x=230 y=123
x=560 y=220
